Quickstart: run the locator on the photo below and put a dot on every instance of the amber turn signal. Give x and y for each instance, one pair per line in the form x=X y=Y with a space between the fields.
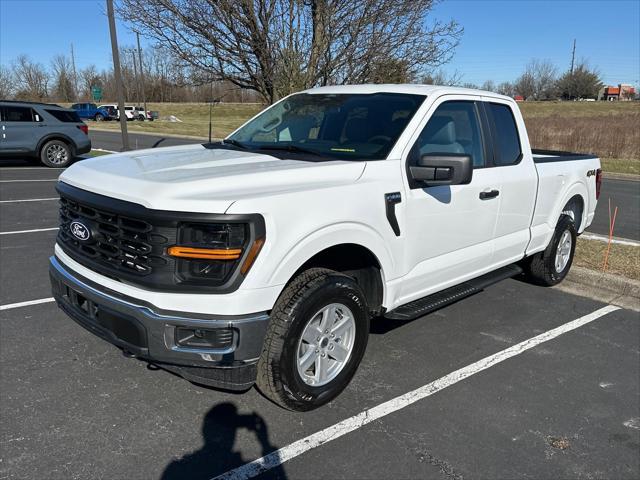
x=253 y=253
x=205 y=253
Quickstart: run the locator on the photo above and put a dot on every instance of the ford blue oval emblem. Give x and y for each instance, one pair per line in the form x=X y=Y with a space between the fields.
x=80 y=231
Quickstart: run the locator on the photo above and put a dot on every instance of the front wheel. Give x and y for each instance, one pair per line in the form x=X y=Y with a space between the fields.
x=317 y=336
x=552 y=265
x=56 y=154
x=99 y=117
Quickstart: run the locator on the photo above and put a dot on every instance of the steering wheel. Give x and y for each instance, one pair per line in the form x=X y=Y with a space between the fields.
x=382 y=139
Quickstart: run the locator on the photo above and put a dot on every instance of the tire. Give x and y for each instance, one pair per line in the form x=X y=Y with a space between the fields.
x=542 y=268
x=141 y=118
x=99 y=117
x=302 y=306
x=56 y=154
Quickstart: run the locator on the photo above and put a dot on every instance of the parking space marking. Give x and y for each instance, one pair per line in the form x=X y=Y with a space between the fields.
x=30 y=231
x=333 y=432
x=31 y=168
x=10 y=306
x=30 y=200
x=24 y=181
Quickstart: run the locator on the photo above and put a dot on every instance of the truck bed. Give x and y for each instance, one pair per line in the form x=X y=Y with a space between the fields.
x=547 y=156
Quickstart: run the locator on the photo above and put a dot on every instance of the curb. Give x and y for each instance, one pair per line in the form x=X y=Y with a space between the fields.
x=605 y=287
x=632 y=177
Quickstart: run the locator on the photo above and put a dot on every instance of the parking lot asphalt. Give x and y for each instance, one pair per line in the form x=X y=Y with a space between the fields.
x=71 y=406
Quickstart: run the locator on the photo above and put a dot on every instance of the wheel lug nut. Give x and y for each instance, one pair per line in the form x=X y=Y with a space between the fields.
x=324 y=355
x=326 y=331
x=330 y=347
x=333 y=335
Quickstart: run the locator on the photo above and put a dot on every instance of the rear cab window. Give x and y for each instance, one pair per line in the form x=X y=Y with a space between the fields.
x=506 y=138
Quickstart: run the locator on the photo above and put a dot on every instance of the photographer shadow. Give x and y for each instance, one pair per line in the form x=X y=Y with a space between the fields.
x=217 y=455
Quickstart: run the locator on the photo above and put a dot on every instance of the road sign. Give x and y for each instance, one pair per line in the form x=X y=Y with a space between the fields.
x=96 y=93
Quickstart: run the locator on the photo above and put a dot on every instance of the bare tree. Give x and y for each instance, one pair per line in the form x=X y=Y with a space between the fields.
x=89 y=77
x=62 y=73
x=506 y=88
x=278 y=46
x=6 y=83
x=440 y=77
x=489 y=86
x=538 y=81
x=32 y=80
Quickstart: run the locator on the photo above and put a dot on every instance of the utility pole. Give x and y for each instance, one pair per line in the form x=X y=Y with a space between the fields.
x=144 y=97
x=135 y=77
x=118 y=75
x=75 y=76
x=573 y=55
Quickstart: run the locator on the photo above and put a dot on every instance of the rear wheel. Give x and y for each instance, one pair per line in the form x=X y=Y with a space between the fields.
x=552 y=265
x=56 y=153
x=317 y=336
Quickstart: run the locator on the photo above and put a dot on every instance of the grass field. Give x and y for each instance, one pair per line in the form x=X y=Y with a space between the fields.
x=624 y=260
x=610 y=130
x=194 y=119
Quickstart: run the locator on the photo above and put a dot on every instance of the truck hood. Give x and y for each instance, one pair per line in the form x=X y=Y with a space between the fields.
x=197 y=179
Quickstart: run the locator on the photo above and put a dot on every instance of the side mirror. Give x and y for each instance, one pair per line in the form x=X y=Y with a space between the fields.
x=442 y=169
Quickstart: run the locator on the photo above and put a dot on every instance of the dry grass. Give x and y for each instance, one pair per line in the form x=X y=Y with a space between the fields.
x=623 y=260
x=194 y=119
x=610 y=130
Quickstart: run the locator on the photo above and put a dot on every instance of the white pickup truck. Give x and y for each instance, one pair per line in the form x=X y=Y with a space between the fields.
x=262 y=258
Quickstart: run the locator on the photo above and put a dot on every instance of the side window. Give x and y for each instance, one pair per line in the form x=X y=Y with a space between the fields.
x=18 y=114
x=507 y=139
x=453 y=128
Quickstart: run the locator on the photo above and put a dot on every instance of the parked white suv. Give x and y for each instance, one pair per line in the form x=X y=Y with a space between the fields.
x=263 y=258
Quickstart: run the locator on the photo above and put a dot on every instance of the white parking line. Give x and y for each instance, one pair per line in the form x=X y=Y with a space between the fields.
x=9 y=306
x=317 y=439
x=24 y=181
x=29 y=231
x=30 y=200
x=31 y=168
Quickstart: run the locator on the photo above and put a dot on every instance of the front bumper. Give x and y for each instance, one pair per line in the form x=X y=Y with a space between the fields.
x=150 y=334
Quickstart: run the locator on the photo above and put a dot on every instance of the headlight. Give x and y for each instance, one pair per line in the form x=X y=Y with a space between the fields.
x=211 y=253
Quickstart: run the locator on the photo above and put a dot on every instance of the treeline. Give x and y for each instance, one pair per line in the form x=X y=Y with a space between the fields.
x=166 y=79
x=540 y=80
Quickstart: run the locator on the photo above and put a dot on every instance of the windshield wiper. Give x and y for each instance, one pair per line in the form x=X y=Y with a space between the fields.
x=289 y=148
x=235 y=143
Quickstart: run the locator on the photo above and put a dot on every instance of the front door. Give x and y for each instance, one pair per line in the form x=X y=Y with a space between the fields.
x=19 y=126
x=451 y=228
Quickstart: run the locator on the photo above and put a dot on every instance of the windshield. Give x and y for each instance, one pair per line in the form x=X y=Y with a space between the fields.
x=344 y=126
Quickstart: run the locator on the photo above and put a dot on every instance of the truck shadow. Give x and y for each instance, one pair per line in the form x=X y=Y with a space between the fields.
x=217 y=455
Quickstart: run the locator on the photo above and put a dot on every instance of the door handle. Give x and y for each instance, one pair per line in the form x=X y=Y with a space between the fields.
x=490 y=194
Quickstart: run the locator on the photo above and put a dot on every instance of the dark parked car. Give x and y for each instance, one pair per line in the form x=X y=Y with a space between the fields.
x=47 y=131
x=91 y=111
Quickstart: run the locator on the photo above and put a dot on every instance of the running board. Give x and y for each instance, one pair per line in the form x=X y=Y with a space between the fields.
x=435 y=301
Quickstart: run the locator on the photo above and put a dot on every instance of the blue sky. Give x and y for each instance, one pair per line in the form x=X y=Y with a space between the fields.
x=500 y=36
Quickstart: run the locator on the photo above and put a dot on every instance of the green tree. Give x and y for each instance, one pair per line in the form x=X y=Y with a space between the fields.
x=584 y=82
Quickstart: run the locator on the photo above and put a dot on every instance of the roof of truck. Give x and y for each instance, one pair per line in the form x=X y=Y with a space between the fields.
x=409 y=88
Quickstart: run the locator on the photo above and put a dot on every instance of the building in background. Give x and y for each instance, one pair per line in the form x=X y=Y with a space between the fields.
x=622 y=92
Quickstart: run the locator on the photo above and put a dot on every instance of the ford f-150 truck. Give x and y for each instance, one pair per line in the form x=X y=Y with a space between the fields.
x=262 y=258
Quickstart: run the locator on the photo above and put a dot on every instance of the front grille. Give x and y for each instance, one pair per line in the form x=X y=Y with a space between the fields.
x=118 y=243
x=128 y=242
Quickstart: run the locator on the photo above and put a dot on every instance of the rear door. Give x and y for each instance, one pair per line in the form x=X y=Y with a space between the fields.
x=20 y=129
x=517 y=180
x=449 y=229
